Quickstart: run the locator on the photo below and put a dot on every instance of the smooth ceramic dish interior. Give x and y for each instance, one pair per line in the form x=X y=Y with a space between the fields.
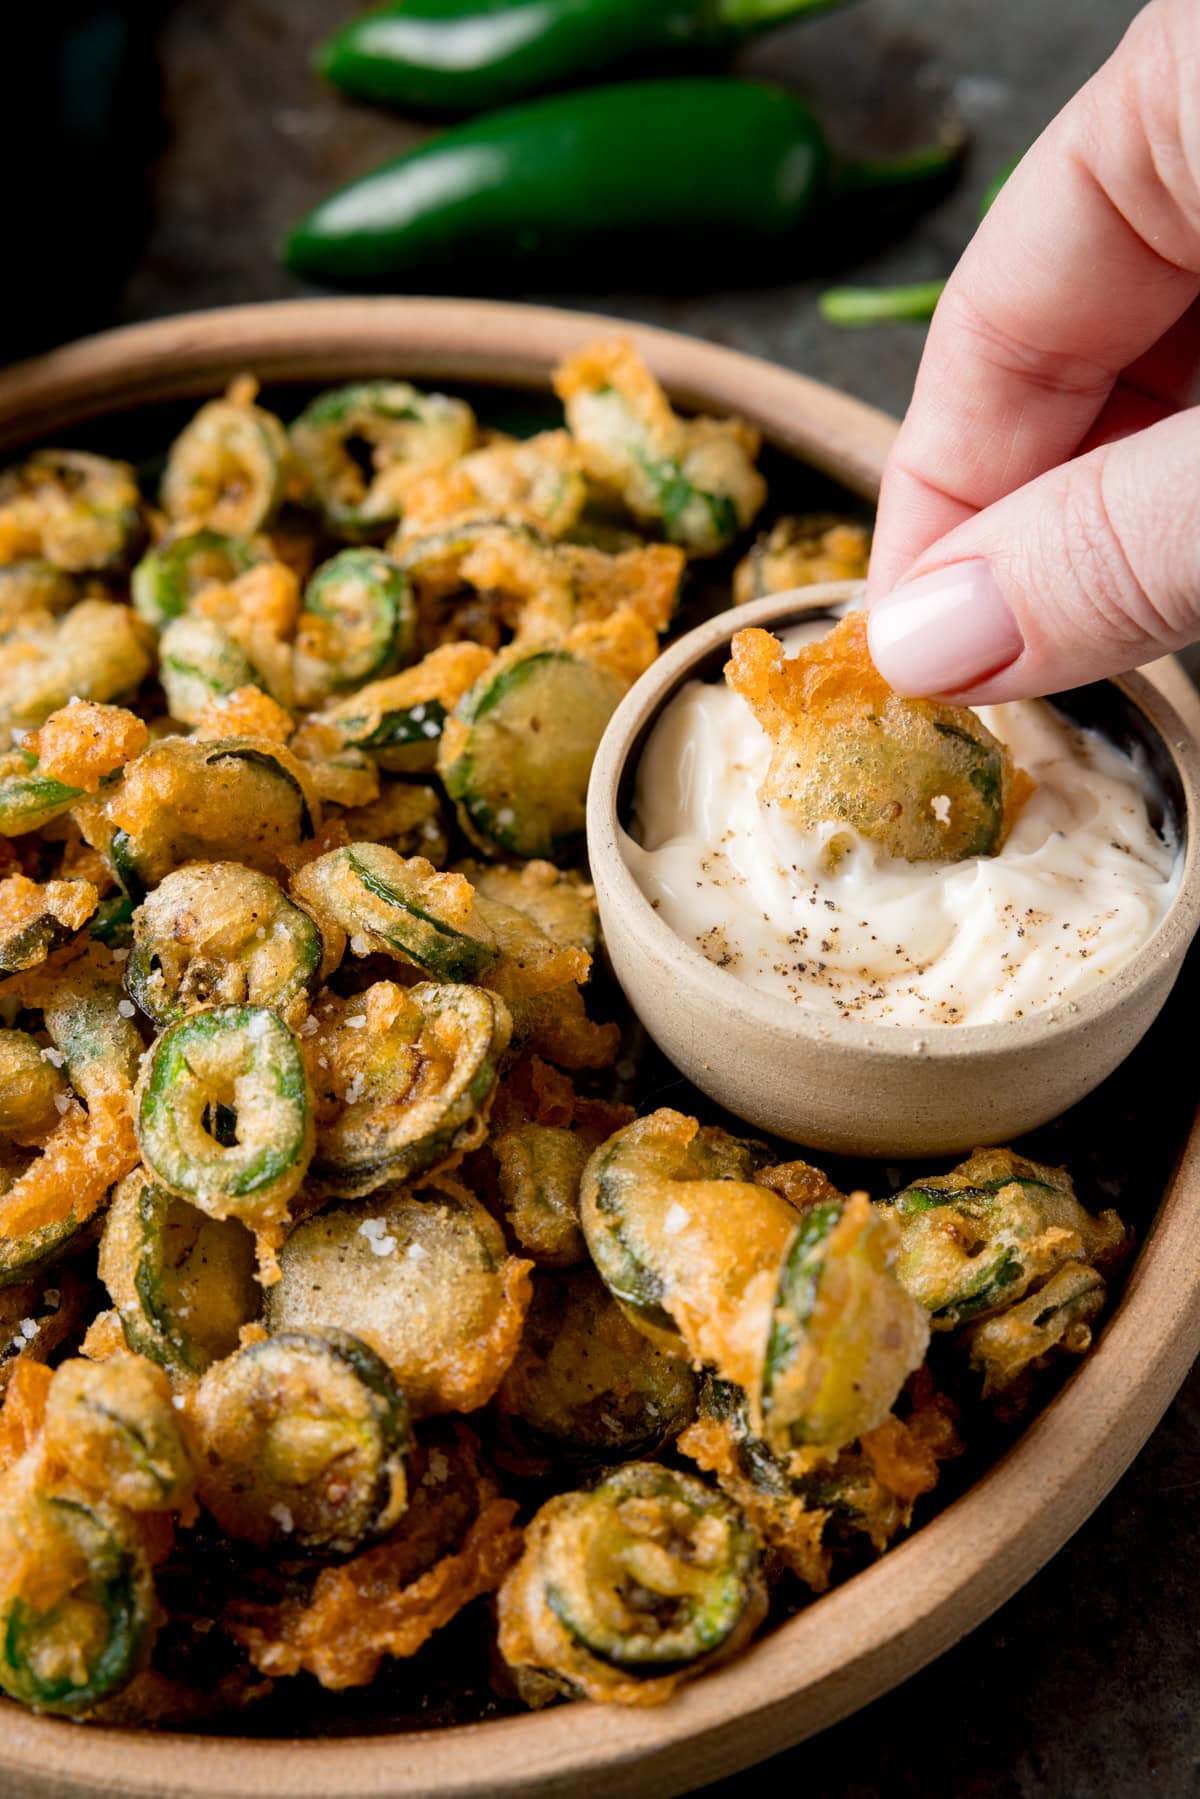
x=884 y=1090
x=863 y=1637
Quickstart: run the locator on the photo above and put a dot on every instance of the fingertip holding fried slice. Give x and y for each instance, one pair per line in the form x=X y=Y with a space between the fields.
x=924 y=781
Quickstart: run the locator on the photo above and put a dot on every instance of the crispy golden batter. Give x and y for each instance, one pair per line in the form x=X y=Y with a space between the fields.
x=802 y=552
x=246 y=712
x=83 y=742
x=23 y=1411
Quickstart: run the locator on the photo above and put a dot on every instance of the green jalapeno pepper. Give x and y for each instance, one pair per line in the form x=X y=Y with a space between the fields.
x=467 y=55
x=671 y=178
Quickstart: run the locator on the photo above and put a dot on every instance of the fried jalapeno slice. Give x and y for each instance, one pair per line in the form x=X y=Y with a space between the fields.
x=802 y=552
x=695 y=477
x=363 y=446
x=227 y=468
x=800 y=1308
x=1054 y=1320
x=31 y=1088
x=403 y=1079
x=399 y=720
x=183 y=1283
x=74 y=510
x=844 y=1332
x=77 y=1612
x=456 y=1540
x=216 y=933
x=302 y=1440
x=168 y=577
x=186 y=799
x=198 y=662
x=358 y=624
x=924 y=781
x=625 y=1590
x=96 y=651
x=113 y=1427
x=225 y=1113
x=36 y=918
x=518 y=751
x=535 y=480
x=976 y=1240
x=558 y=901
x=585 y=1387
x=424 y=1278
x=402 y=907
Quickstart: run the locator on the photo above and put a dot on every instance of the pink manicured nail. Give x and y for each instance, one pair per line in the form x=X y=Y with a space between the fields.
x=945 y=632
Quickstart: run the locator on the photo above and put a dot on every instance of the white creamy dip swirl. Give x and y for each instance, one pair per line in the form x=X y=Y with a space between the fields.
x=1081 y=883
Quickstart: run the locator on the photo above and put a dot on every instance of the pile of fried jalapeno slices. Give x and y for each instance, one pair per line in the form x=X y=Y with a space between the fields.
x=335 y=1291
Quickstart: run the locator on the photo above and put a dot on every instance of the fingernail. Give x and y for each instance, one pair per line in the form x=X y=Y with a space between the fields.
x=945 y=632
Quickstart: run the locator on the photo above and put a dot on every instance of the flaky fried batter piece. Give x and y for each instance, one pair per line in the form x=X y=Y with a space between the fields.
x=84 y=741
x=24 y=1410
x=927 y=782
x=82 y=1158
x=807 y=1502
x=645 y=579
x=246 y=712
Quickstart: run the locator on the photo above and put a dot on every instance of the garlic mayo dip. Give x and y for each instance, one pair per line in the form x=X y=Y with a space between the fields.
x=1080 y=884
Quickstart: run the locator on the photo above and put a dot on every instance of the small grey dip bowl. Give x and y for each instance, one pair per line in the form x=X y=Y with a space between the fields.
x=880 y=1089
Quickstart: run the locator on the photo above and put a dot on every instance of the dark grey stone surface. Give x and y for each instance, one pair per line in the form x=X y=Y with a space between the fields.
x=254 y=140
x=1085 y=1686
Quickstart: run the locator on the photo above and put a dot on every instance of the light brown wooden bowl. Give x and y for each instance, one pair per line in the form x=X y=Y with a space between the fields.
x=857 y=1641
x=888 y=1090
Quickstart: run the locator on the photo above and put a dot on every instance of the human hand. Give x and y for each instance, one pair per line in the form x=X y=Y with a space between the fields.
x=1039 y=524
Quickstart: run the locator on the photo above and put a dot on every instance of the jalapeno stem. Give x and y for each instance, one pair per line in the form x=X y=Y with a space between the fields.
x=753 y=15
x=933 y=162
x=877 y=305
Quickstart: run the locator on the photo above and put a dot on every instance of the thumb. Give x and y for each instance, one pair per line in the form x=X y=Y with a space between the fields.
x=1087 y=571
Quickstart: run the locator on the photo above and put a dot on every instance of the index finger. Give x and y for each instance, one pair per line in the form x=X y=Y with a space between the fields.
x=1089 y=255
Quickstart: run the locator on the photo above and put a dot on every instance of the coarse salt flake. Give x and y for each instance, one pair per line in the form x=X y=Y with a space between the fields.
x=376 y=1232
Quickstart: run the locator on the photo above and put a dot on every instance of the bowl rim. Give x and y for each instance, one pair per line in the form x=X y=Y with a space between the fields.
x=645 y=703
x=916 y=1601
